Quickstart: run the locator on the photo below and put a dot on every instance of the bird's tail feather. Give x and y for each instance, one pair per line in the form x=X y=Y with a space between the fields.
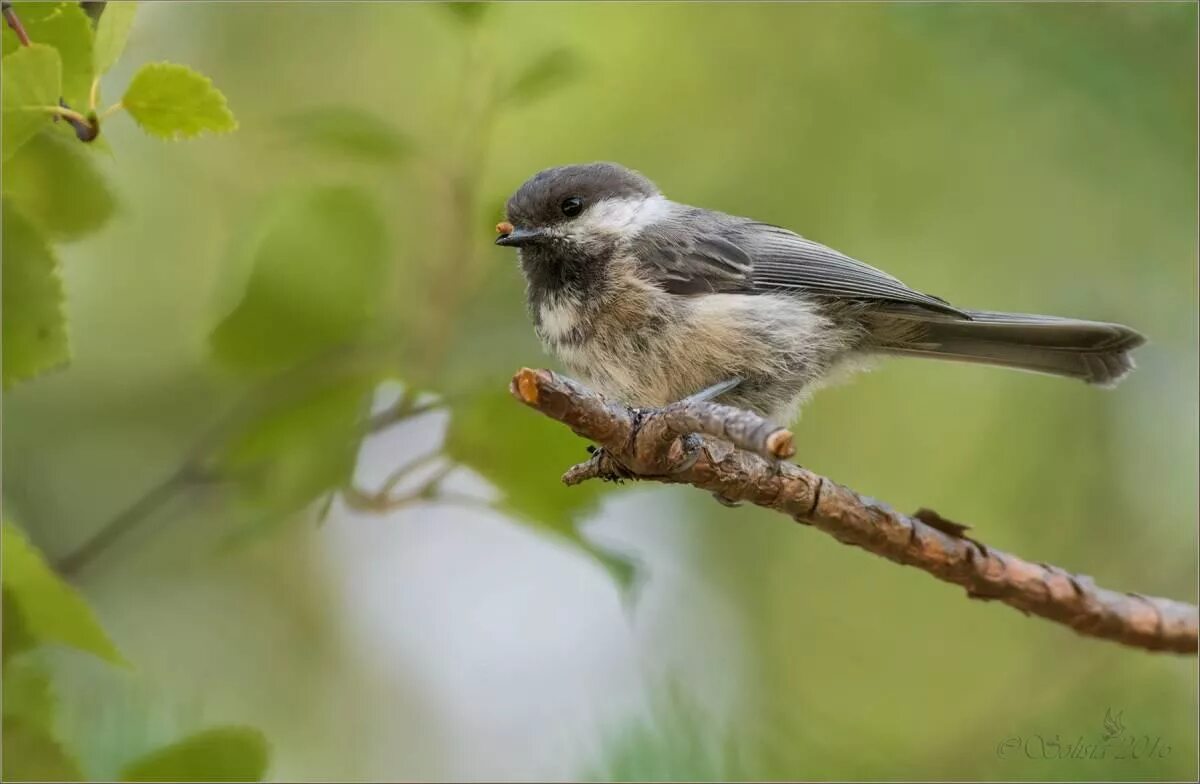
x=1092 y=351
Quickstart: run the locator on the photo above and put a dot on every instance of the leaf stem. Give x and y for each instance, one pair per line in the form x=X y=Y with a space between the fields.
x=64 y=112
x=10 y=16
x=110 y=111
x=86 y=128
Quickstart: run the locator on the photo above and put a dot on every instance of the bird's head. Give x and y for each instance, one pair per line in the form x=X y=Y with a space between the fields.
x=578 y=212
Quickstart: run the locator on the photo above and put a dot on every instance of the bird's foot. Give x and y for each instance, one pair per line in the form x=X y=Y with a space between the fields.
x=608 y=469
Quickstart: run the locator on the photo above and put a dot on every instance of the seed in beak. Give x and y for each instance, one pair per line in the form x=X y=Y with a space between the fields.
x=504 y=227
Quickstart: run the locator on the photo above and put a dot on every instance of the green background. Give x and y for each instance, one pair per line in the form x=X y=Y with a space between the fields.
x=1037 y=158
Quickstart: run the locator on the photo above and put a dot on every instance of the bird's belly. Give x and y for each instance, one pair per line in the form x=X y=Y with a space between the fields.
x=632 y=360
x=649 y=362
x=609 y=372
x=631 y=367
x=778 y=346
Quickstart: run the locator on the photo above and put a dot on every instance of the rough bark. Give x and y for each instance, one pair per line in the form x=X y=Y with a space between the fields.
x=733 y=454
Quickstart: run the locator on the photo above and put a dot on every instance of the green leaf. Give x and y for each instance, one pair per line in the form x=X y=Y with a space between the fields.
x=17 y=638
x=28 y=695
x=174 y=102
x=111 y=33
x=67 y=28
x=32 y=80
x=319 y=267
x=348 y=131
x=71 y=33
x=468 y=14
x=32 y=754
x=36 y=11
x=299 y=450
x=56 y=184
x=486 y=433
x=219 y=754
x=554 y=69
x=51 y=610
x=34 y=330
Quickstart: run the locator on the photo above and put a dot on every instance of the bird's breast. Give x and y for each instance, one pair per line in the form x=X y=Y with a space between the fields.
x=560 y=319
x=610 y=337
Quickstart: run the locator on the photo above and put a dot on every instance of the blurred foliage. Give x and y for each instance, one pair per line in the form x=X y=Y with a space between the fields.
x=47 y=609
x=349 y=131
x=35 y=337
x=467 y=14
x=31 y=754
x=485 y=433
x=319 y=267
x=54 y=192
x=112 y=31
x=675 y=742
x=300 y=450
x=39 y=608
x=220 y=754
x=32 y=78
x=232 y=322
x=548 y=72
x=58 y=187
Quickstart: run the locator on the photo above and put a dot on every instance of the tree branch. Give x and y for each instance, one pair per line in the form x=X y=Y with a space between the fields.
x=195 y=468
x=647 y=444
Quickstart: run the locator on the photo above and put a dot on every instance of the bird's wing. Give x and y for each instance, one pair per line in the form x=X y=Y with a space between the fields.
x=783 y=260
x=698 y=252
x=682 y=259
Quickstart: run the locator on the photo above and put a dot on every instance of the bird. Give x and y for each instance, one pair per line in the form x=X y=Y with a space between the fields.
x=652 y=301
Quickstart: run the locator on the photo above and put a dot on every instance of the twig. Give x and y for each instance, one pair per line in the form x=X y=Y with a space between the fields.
x=147 y=504
x=14 y=22
x=645 y=444
x=384 y=501
x=87 y=128
x=403 y=409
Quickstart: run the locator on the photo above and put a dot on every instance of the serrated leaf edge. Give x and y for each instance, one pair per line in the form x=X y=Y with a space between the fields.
x=60 y=310
x=178 y=135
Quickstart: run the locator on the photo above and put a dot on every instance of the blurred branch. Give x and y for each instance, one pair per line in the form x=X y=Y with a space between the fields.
x=195 y=468
x=404 y=408
x=428 y=490
x=127 y=519
x=655 y=444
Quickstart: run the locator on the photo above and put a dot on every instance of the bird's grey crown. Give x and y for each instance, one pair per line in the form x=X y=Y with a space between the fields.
x=538 y=201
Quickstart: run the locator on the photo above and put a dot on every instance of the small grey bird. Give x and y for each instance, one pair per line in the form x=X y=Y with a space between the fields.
x=651 y=301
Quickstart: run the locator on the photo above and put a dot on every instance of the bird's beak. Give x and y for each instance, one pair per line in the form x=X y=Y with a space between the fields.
x=516 y=238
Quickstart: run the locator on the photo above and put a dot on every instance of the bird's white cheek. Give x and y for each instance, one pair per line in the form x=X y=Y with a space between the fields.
x=624 y=217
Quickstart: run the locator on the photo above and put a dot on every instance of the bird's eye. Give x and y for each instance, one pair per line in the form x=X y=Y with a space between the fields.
x=572 y=206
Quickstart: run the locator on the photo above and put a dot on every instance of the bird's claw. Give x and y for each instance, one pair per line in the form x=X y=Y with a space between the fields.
x=612 y=470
